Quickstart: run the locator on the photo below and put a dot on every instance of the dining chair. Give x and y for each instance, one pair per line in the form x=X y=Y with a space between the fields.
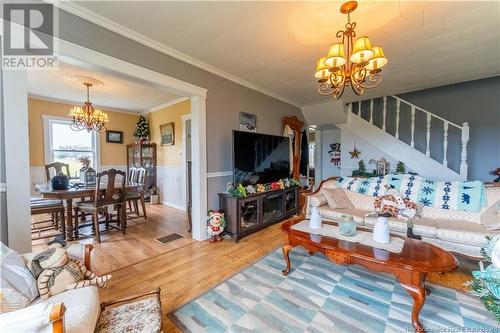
x=57 y=223
x=58 y=167
x=133 y=198
x=111 y=195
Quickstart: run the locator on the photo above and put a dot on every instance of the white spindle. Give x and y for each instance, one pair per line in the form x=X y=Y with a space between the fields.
x=398 y=104
x=463 y=155
x=412 y=142
x=445 y=143
x=428 y=134
x=371 y=111
x=384 y=113
x=359 y=108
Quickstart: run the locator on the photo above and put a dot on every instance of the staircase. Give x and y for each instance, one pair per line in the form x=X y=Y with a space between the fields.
x=361 y=122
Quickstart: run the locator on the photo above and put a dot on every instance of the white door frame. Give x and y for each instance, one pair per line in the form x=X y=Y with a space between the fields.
x=81 y=56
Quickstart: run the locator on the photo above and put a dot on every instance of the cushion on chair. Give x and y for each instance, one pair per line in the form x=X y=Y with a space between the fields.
x=136 y=317
x=317 y=200
x=336 y=198
x=336 y=214
x=490 y=219
x=361 y=201
x=82 y=308
x=464 y=232
x=17 y=285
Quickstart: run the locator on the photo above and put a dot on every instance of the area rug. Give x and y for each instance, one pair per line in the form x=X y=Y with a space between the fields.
x=319 y=296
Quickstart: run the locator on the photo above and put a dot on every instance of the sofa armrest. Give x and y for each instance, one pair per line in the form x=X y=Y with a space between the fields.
x=36 y=318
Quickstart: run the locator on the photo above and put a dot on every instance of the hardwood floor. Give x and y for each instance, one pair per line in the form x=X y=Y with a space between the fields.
x=189 y=271
x=139 y=243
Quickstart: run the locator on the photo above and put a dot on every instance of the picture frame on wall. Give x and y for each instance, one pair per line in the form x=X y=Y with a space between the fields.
x=167 y=132
x=248 y=122
x=114 y=136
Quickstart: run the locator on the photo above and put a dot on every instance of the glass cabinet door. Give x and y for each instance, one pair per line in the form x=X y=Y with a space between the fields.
x=272 y=207
x=290 y=200
x=249 y=213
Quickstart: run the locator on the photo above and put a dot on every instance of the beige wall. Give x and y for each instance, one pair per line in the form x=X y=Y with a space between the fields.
x=169 y=155
x=111 y=153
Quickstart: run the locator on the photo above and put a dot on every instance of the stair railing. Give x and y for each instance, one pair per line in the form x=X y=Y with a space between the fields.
x=464 y=129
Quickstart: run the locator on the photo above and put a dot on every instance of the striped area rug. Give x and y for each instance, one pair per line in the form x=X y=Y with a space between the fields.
x=319 y=296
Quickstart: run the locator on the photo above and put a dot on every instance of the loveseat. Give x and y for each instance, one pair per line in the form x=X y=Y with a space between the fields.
x=73 y=311
x=457 y=231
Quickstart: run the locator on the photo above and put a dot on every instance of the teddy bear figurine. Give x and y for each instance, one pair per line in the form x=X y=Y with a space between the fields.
x=55 y=272
x=216 y=225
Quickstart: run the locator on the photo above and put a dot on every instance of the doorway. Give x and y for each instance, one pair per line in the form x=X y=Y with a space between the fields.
x=186 y=134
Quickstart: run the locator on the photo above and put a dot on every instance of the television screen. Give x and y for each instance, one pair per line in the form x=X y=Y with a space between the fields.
x=260 y=158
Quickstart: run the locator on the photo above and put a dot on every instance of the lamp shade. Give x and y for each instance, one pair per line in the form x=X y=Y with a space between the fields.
x=362 y=50
x=336 y=57
x=321 y=69
x=378 y=61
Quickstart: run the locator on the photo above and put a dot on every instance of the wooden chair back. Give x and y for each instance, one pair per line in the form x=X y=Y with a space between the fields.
x=132 y=174
x=141 y=176
x=110 y=186
x=58 y=167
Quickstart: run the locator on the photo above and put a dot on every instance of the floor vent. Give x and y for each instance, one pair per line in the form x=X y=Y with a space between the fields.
x=168 y=238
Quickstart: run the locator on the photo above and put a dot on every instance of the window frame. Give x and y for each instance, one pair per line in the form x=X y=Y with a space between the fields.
x=47 y=141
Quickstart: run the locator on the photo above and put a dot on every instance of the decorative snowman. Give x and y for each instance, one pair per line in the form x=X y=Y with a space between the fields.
x=381 y=230
x=216 y=225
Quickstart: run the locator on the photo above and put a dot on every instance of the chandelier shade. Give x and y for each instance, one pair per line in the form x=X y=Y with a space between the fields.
x=362 y=50
x=87 y=117
x=322 y=71
x=350 y=61
x=378 y=61
x=336 y=57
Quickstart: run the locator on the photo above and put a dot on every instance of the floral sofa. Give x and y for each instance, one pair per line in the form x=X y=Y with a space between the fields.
x=457 y=231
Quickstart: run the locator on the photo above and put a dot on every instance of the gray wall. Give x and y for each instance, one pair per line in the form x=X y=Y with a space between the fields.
x=476 y=102
x=224 y=102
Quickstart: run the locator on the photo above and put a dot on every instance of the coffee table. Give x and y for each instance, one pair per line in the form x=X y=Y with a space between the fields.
x=410 y=266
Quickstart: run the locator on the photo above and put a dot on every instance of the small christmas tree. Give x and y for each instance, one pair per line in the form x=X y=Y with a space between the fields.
x=141 y=132
x=361 y=167
x=400 y=167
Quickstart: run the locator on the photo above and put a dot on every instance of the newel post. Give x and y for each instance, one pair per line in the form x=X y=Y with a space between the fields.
x=463 y=155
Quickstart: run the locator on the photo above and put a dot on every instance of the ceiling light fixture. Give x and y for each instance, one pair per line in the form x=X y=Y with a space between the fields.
x=86 y=116
x=360 y=69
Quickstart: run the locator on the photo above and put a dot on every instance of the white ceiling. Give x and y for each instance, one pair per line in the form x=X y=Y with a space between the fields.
x=274 y=45
x=115 y=94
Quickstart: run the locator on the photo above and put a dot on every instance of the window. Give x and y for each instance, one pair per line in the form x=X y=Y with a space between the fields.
x=312 y=147
x=64 y=145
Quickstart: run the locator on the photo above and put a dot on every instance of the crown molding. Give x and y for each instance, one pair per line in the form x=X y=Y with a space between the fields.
x=166 y=105
x=65 y=101
x=151 y=43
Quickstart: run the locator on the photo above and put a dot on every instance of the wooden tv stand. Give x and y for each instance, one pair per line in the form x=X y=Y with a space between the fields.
x=245 y=216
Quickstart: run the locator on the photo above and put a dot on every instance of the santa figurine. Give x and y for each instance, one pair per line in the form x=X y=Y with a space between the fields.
x=216 y=225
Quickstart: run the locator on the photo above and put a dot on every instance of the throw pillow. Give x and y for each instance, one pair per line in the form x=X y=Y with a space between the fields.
x=490 y=219
x=336 y=198
x=317 y=200
x=17 y=284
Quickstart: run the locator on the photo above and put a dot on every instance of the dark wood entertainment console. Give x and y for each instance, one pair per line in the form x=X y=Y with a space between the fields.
x=257 y=211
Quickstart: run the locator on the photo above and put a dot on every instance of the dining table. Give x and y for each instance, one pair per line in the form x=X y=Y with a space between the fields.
x=77 y=191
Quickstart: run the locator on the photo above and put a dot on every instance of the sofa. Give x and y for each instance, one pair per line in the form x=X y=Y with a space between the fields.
x=73 y=311
x=455 y=231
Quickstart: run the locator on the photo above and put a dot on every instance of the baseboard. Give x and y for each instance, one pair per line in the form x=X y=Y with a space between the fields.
x=171 y=204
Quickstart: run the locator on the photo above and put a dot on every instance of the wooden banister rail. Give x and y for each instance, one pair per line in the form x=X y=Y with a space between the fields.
x=464 y=128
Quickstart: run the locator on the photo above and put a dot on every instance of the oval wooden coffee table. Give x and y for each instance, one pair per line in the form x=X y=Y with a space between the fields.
x=410 y=266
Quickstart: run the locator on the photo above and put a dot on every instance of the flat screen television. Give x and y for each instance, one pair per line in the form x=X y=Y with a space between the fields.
x=260 y=158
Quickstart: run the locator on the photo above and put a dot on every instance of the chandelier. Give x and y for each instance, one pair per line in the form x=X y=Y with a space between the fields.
x=360 y=69
x=87 y=117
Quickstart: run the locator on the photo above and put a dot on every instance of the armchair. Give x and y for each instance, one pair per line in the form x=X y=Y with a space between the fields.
x=73 y=311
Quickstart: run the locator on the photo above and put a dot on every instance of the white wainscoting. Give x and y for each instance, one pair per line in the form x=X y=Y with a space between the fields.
x=172 y=183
